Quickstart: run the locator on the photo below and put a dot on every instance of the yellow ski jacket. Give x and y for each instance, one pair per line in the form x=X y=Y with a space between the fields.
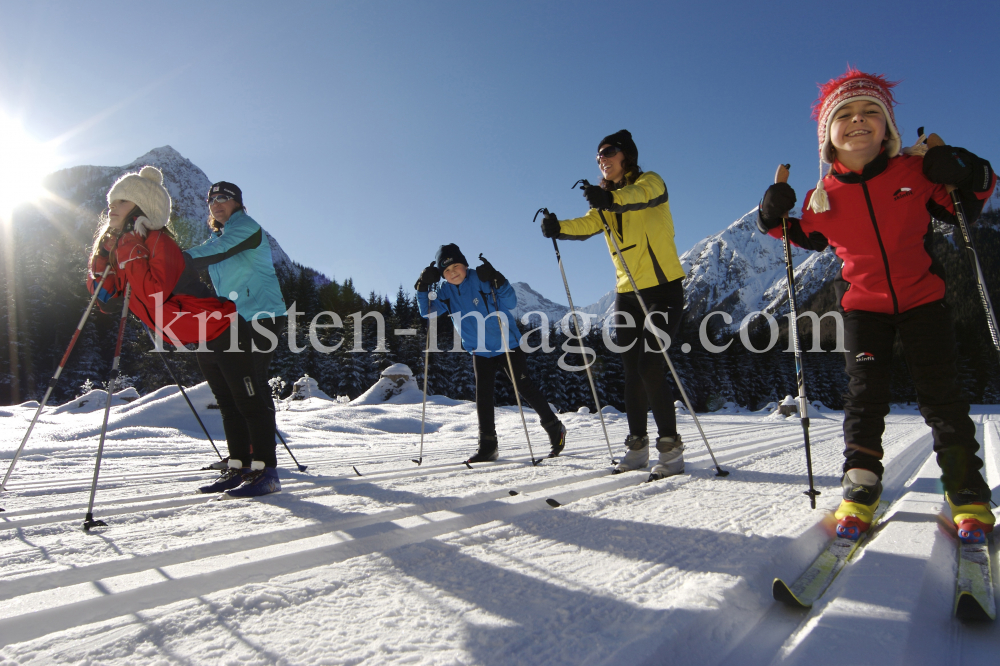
x=641 y=221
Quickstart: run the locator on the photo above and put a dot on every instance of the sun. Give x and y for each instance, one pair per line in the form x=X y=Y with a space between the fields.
x=24 y=161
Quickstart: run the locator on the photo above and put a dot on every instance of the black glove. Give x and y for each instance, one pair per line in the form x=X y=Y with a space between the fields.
x=430 y=275
x=778 y=201
x=550 y=225
x=947 y=165
x=597 y=197
x=486 y=273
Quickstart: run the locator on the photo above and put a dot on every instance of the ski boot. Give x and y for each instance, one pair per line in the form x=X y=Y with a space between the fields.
x=557 y=437
x=636 y=456
x=671 y=458
x=970 y=509
x=862 y=490
x=230 y=478
x=488 y=450
x=258 y=481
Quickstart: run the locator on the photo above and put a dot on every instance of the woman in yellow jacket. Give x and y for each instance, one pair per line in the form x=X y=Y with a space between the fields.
x=635 y=206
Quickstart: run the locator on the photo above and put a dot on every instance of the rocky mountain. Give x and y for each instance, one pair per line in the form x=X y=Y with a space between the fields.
x=740 y=270
x=529 y=300
x=79 y=193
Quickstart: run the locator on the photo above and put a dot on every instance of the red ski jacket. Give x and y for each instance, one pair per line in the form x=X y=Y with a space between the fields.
x=878 y=224
x=153 y=266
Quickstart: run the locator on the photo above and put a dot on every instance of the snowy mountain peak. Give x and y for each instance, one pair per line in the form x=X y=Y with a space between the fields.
x=740 y=270
x=529 y=300
x=186 y=183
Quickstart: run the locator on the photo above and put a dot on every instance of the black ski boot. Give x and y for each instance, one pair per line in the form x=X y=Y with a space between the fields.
x=557 y=437
x=488 y=450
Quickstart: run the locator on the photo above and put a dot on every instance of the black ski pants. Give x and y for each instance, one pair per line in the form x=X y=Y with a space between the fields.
x=928 y=339
x=246 y=406
x=262 y=359
x=645 y=371
x=486 y=374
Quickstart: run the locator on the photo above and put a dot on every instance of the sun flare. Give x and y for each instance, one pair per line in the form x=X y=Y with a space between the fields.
x=24 y=161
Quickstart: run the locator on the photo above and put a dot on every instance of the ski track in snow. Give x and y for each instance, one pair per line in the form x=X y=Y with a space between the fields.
x=439 y=564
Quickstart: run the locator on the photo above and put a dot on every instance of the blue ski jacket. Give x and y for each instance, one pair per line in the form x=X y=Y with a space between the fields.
x=469 y=297
x=238 y=260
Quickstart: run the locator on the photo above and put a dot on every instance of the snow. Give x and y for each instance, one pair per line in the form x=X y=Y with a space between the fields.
x=96 y=399
x=439 y=564
x=305 y=388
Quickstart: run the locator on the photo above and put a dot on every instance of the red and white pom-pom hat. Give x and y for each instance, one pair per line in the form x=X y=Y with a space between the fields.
x=854 y=85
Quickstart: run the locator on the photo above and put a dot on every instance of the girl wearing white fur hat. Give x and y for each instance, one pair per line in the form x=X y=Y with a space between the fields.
x=135 y=242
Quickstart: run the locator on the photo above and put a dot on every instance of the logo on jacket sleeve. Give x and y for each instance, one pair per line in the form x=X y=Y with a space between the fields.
x=475 y=301
x=902 y=192
x=864 y=357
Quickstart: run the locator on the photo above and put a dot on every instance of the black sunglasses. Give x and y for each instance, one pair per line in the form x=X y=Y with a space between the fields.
x=610 y=151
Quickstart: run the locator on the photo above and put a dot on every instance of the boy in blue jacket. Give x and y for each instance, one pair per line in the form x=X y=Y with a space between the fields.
x=464 y=294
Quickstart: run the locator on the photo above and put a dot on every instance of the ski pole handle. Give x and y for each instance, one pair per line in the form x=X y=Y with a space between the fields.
x=781 y=175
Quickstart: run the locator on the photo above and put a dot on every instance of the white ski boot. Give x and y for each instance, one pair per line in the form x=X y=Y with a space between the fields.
x=636 y=455
x=671 y=458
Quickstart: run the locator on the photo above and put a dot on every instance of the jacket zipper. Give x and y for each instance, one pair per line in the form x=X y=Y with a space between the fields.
x=881 y=247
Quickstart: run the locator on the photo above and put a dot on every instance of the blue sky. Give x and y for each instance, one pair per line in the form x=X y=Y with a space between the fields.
x=364 y=135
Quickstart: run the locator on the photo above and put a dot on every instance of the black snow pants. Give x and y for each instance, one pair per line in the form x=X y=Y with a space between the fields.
x=645 y=371
x=262 y=359
x=246 y=406
x=486 y=373
x=928 y=339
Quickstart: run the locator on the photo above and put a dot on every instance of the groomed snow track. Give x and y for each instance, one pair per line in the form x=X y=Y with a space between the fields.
x=442 y=564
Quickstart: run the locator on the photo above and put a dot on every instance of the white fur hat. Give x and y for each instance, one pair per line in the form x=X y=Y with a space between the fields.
x=144 y=189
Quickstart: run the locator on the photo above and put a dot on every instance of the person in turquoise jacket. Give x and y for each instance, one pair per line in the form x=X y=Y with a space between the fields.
x=239 y=263
x=464 y=294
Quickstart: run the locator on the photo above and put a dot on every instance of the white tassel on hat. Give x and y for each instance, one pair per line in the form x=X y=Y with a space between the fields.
x=819 y=202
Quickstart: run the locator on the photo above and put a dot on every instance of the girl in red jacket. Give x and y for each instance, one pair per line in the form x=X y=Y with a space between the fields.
x=874 y=207
x=181 y=310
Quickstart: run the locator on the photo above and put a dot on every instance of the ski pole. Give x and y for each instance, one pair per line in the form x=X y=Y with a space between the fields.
x=579 y=324
x=183 y=393
x=510 y=366
x=89 y=521
x=302 y=468
x=963 y=224
x=55 y=377
x=645 y=311
x=793 y=330
x=423 y=407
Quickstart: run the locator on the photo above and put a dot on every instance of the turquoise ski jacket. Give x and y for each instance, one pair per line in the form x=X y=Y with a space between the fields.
x=238 y=260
